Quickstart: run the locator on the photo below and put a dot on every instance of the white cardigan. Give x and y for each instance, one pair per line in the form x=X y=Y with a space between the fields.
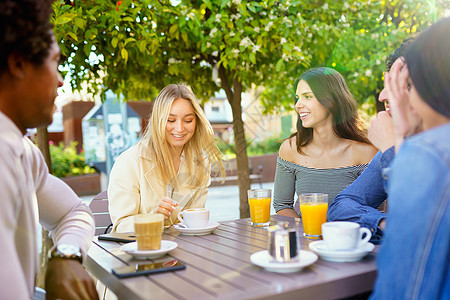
x=134 y=189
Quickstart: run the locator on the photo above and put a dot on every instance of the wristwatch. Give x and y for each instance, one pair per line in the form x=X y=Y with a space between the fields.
x=69 y=251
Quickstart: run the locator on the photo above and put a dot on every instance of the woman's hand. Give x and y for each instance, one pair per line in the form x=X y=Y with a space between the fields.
x=165 y=206
x=406 y=120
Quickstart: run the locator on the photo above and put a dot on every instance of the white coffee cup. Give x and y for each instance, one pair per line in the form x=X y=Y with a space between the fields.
x=194 y=217
x=342 y=235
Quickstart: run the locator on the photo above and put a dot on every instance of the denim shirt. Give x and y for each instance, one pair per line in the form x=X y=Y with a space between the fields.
x=359 y=201
x=413 y=262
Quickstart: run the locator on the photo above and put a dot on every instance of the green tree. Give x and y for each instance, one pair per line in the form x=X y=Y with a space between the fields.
x=371 y=37
x=141 y=46
x=368 y=32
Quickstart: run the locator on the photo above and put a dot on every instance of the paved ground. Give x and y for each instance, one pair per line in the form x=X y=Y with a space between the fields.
x=223 y=201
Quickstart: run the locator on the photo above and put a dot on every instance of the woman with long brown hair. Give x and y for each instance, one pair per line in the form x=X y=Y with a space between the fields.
x=330 y=148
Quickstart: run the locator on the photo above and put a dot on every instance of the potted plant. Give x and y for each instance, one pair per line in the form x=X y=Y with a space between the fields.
x=71 y=167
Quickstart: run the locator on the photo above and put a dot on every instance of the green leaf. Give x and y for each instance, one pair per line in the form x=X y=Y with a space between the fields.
x=173 y=29
x=191 y=25
x=129 y=40
x=208 y=4
x=124 y=54
x=197 y=22
x=252 y=58
x=203 y=47
x=184 y=36
x=287 y=47
x=64 y=18
x=72 y=35
x=80 y=22
x=243 y=10
x=173 y=69
x=64 y=50
x=87 y=49
x=280 y=65
x=248 y=29
x=142 y=46
x=88 y=34
x=114 y=42
x=223 y=3
x=272 y=47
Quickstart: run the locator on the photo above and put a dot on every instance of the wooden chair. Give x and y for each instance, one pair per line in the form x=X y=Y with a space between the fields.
x=231 y=177
x=99 y=208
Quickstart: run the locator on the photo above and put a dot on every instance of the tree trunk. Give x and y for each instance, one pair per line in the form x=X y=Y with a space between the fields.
x=241 y=150
x=234 y=98
x=42 y=143
x=47 y=243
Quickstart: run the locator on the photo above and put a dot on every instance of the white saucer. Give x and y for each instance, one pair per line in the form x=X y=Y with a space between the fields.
x=261 y=259
x=340 y=255
x=197 y=231
x=131 y=248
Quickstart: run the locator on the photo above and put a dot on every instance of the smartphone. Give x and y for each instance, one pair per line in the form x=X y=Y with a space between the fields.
x=143 y=269
x=118 y=237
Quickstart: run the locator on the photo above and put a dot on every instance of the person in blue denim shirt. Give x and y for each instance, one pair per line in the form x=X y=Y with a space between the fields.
x=360 y=200
x=413 y=262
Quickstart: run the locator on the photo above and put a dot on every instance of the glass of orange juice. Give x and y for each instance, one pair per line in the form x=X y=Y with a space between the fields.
x=313 y=208
x=259 y=202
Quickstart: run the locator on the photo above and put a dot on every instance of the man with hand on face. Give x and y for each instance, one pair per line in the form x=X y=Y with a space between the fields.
x=360 y=200
x=29 y=78
x=413 y=262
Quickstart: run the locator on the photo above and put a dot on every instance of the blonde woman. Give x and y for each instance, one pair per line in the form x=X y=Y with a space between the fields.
x=169 y=169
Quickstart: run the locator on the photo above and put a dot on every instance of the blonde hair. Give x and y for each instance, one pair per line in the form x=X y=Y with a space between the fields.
x=200 y=152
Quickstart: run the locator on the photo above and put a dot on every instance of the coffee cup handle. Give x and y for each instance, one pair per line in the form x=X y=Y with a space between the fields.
x=180 y=217
x=366 y=239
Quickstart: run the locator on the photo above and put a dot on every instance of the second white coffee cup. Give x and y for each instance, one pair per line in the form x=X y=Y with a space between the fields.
x=194 y=217
x=344 y=235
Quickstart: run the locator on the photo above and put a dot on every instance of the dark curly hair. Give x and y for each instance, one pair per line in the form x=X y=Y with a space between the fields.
x=400 y=51
x=25 y=30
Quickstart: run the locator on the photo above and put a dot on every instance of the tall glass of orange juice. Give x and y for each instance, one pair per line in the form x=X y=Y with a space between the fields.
x=313 y=208
x=259 y=202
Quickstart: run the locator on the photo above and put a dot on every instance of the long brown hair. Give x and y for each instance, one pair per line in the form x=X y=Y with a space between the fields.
x=330 y=89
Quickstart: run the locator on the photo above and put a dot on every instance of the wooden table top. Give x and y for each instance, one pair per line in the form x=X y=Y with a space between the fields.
x=218 y=267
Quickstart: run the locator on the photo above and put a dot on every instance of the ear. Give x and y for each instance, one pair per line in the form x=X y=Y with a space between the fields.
x=16 y=65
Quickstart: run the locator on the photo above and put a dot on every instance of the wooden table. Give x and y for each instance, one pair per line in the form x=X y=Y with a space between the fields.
x=218 y=266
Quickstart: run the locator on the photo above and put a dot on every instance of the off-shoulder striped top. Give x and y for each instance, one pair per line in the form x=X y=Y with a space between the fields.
x=291 y=179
